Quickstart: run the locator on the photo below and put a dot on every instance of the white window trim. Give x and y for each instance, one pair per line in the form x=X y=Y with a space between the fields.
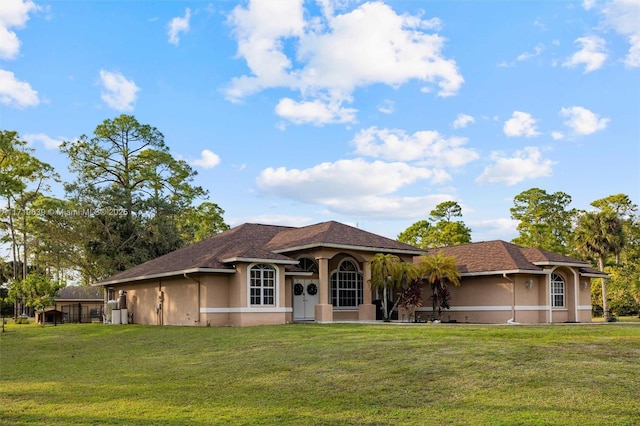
x=337 y=270
x=276 y=284
x=552 y=293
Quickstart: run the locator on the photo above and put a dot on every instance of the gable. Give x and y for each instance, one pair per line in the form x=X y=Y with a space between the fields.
x=258 y=243
x=497 y=257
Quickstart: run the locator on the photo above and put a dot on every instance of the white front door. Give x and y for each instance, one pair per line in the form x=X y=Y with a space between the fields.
x=305 y=299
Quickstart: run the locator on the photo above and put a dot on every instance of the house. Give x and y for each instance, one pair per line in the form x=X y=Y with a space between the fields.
x=74 y=304
x=259 y=274
x=502 y=282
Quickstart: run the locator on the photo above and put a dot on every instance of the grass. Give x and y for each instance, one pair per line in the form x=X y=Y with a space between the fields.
x=308 y=374
x=619 y=319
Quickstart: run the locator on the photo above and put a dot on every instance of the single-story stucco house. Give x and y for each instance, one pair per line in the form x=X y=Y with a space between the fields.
x=259 y=274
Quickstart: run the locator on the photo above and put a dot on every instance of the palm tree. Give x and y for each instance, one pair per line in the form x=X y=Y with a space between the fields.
x=389 y=272
x=439 y=270
x=597 y=235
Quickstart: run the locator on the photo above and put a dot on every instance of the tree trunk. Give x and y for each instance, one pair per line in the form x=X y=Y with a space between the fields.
x=434 y=295
x=603 y=281
x=25 y=267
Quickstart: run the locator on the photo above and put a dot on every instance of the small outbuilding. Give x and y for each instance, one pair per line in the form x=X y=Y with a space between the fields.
x=73 y=304
x=49 y=316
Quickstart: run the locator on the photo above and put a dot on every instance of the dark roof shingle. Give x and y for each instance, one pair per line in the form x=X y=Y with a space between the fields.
x=256 y=241
x=500 y=256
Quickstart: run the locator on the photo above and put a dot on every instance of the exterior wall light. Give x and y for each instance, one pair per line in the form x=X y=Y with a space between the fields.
x=584 y=284
x=529 y=283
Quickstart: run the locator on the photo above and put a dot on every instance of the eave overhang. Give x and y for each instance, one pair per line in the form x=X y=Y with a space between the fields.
x=416 y=252
x=595 y=275
x=571 y=264
x=237 y=259
x=165 y=275
x=510 y=271
x=298 y=273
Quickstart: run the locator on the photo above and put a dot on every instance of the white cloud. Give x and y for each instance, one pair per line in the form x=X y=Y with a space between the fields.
x=624 y=17
x=525 y=164
x=537 y=50
x=315 y=112
x=556 y=135
x=502 y=228
x=345 y=184
x=13 y=14
x=386 y=207
x=119 y=92
x=179 y=25
x=207 y=160
x=428 y=147
x=526 y=55
x=273 y=219
x=592 y=54
x=583 y=121
x=462 y=121
x=387 y=107
x=588 y=4
x=16 y=93
x=329 y=56
x=47 y=141
x=520 y=124
x=633 y=57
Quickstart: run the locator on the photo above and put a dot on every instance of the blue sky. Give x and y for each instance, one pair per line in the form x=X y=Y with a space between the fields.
x=369 y=113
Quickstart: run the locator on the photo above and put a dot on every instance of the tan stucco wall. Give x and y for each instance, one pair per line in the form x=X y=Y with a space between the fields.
x=223 y=300
x=498 y=298
x=345 y=315
x=141 y=301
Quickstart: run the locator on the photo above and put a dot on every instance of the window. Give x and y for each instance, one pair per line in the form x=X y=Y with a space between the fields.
x=308 y=265
x=262 y=285
x=557 y=291
x=346 y=286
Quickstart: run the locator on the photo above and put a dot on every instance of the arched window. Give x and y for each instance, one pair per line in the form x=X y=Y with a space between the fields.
x=308 y=265
x=262 y=285
x=557 y=291
x=346 y=286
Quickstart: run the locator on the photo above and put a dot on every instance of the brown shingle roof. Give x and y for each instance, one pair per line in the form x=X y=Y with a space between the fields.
x=79 y=293
x=258 y=242
x=334 y=234
x=500 y=256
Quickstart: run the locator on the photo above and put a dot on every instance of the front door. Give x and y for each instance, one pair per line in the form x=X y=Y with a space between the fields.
x=305 y=299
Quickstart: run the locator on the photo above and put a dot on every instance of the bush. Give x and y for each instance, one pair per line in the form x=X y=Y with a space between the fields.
x=22 y=319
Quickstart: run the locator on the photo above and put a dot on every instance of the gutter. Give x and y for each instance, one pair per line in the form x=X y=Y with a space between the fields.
x=510 y=271
x=164 y=275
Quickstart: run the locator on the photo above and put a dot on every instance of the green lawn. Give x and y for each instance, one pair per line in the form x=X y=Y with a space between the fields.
x=309 y=374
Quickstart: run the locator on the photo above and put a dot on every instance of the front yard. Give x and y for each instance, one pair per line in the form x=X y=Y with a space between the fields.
x=445 y=374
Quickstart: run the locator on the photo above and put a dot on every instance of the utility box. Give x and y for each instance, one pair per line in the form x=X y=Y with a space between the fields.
x=122 y=299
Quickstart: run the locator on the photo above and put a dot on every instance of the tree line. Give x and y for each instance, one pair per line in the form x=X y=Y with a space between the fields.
x=607 y=236
x=130 y=200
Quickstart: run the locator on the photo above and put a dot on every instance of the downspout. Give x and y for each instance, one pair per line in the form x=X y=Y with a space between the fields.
x=105 y=305
x=160 y=308
x=576 y=289
x=513 y=292
x=550 y=298
x=197 y=281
